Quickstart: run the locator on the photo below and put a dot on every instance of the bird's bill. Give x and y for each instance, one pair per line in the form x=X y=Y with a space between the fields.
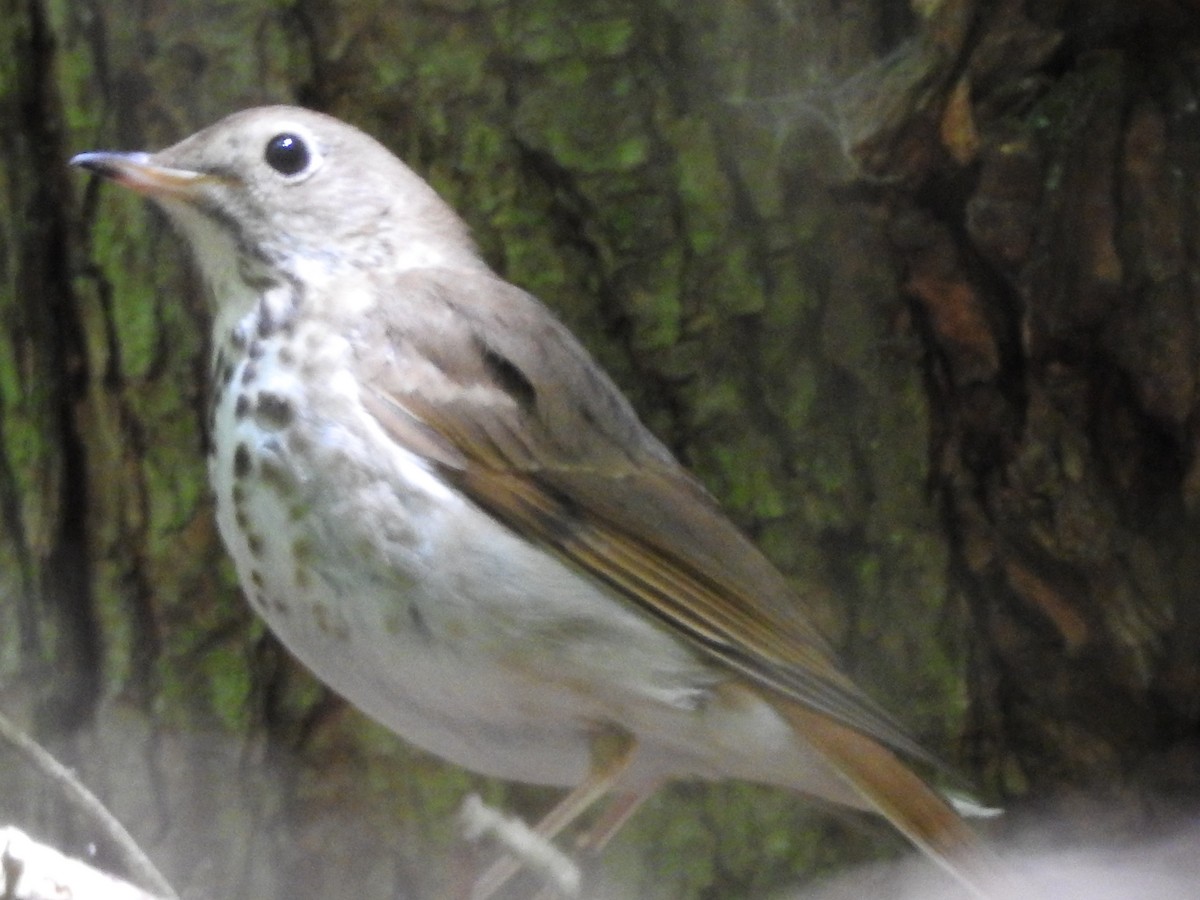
x=137 y=172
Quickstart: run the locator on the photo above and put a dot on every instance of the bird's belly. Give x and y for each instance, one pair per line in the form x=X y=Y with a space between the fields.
x=426 y=613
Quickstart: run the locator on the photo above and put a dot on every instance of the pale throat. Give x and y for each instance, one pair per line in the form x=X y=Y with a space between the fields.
x=250 y=298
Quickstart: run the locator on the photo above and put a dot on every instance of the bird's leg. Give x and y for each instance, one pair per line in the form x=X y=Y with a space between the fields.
x=604 y=829
x=613 y=819
x=611 y=753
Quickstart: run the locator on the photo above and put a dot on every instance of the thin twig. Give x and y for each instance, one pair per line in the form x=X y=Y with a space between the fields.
x=136 y=862
x=525 y=847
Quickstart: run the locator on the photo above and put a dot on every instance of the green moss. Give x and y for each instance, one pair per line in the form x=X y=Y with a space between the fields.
x=711 y=400
x=703 y=188
x=77 y=79
x=825 y=505
x=585 y=138
x=738 y=288
x=898 y=451
x=456 y=66
x=630 y=152
x=541 y=32
x=229 y=685
x=782 y=540
x=567 y=77
x=175 y=488
x=111 y=607
x=793 y=397
x=655 y=305
x=671 y=839
x=202 y=677
x=538 y=267
x=534 y=33
x=483 y=146
x=761 y=838
x=604 y=37
x=31 y=458
x=758 y=161
x=579 y=146
x=746 y=480
x=120 y=245
x=734 y=841
x=656 y=318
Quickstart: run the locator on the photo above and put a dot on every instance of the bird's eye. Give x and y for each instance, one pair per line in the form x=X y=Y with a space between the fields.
x=287 y=154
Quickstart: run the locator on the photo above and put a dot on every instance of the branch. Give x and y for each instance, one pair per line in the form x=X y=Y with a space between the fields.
x=525 y=846
x=87 y=805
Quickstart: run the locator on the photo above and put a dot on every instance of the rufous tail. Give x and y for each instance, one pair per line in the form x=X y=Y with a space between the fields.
x=902 y=797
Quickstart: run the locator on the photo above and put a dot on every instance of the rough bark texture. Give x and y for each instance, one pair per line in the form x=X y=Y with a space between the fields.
x=1049 y=248
x=914 y=291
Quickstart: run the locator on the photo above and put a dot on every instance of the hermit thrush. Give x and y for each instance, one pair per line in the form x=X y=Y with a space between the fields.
x=446 y=510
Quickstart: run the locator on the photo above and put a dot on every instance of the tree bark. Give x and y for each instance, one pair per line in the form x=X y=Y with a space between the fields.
x=913 y=290
x=1047 y=242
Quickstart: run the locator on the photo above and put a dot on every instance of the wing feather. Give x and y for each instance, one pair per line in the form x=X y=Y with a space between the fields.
x=565 y=461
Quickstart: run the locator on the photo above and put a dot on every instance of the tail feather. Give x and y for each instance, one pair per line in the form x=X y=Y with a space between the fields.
x=901 y=796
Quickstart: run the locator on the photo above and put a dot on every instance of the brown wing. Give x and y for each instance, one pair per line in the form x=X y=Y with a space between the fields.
x=484 y=383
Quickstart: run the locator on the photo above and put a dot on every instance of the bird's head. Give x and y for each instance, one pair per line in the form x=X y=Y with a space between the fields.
x=283 y=189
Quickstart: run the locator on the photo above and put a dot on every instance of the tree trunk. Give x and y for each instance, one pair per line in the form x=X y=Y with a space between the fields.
x=912 y=290
x=1047 y=242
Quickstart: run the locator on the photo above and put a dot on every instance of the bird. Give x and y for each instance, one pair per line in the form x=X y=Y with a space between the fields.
x=445 y=509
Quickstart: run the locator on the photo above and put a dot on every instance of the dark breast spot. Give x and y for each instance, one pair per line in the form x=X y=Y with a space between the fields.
x=277 y=312
x=237 y=339
x=241 y=461
x=210 y=445
x=276 y=475
x=266 y=322
x=273 y=410
x=250 y=261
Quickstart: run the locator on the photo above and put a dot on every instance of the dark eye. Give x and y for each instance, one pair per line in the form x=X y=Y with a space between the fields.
x=287 y=154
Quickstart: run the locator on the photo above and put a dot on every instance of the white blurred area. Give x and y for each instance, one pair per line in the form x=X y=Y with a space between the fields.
x=1167 y=868
x=1046 y=861
x=242 y=835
